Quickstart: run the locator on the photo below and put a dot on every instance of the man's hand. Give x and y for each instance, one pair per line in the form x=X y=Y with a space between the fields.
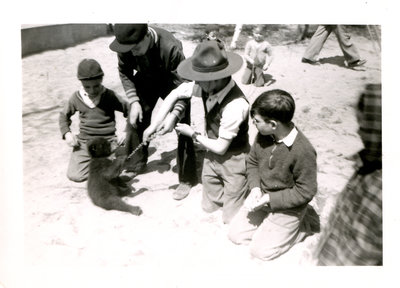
x=184 y=129
x=135 y=114
x=168 y=124
x=265 y=67
x=71 y=139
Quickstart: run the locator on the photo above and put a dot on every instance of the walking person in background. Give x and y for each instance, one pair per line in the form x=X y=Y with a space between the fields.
x=353 y=235
x=350 y=52
x=258 y=56
x=147 y=61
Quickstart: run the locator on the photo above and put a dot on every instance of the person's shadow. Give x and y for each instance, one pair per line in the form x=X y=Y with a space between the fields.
x=269 y=79
x=313 y=220
x=335 y=60
x=163 y=164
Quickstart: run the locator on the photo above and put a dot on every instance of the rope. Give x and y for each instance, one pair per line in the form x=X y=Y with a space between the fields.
x=152 y=137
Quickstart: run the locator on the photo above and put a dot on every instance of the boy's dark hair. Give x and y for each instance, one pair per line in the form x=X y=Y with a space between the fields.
x=274 y=105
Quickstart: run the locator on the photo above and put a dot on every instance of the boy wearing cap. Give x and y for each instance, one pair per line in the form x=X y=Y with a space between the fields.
x=96 y=106
x=147 y=61
x=226 y=121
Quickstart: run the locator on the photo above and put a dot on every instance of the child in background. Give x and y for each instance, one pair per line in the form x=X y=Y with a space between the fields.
x=96 y=106
x=282 y=176
x=258 y=56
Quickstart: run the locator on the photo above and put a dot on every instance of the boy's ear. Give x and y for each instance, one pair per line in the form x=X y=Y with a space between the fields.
x=274 y=124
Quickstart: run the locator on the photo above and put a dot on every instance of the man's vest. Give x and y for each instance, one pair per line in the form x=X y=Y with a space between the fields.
x=213 y=120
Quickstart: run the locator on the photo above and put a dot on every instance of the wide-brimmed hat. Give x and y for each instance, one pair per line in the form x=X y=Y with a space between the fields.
x=210 y=62
x=89 y=69
x=127 y=35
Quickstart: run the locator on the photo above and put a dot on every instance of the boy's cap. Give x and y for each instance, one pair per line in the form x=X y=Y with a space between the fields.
x=209 y=62
x=88 y=69
x=127 y=35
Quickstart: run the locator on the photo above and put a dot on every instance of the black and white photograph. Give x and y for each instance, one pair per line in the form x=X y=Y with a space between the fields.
x=137 y=171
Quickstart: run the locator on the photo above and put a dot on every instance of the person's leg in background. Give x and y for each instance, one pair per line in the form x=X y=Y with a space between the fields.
x=316 y=43
x=347 y=46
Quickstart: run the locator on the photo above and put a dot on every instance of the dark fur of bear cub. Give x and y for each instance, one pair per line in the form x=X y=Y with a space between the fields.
x=104 y=185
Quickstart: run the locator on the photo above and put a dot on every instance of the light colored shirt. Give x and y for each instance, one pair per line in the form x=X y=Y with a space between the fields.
x=91 y=103
x=258 y=51
x=289 y=139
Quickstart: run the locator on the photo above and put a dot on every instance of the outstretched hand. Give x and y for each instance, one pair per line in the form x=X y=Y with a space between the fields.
x=168 y=124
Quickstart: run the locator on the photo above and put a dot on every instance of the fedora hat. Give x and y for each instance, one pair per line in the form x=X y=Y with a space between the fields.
x=209 y=62
x=127 y=35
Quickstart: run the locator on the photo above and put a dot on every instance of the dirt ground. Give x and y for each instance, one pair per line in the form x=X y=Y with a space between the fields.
x=174 y=240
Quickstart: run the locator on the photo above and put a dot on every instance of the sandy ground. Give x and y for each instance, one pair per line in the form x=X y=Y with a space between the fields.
x=173 y=239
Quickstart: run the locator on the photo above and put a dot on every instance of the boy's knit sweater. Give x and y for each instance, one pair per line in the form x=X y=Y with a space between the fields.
x=291 y=179
x=97 y=121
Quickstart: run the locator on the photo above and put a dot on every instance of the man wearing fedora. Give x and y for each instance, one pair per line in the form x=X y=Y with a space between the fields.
x=226 y=137
x=147 y=61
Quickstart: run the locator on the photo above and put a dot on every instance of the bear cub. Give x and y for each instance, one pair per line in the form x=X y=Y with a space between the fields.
x=104 y=185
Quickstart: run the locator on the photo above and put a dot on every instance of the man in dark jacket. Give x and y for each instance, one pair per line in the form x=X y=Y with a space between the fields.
x=147 y=61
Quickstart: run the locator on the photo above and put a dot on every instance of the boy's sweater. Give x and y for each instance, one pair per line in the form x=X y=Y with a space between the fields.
x=291 y=179
x=97 y=121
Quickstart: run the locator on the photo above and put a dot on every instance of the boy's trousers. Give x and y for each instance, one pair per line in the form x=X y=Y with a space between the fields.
x=269 y=234
x=224 y=183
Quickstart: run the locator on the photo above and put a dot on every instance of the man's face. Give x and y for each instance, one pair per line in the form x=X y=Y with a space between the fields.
x=139 y=49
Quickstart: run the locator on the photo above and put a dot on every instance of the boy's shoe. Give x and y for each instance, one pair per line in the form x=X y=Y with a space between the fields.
x=357 y=63
x=182 y=191
x=308 y=61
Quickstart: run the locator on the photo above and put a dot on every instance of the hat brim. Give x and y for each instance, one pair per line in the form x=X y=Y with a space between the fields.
x=185 y=69
x=120 y=48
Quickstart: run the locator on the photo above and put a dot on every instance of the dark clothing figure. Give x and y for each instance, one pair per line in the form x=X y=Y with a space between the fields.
x=147 y=78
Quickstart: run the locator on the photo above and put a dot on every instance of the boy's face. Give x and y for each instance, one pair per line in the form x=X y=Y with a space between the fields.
x=211 y=87
x=264 y=127
x=257 y=36
x=93 y=87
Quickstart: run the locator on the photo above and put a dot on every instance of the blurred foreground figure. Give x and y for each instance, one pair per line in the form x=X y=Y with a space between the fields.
x=354 y=231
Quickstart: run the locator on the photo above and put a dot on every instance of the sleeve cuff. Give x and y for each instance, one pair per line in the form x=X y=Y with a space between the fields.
x=133 y=99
